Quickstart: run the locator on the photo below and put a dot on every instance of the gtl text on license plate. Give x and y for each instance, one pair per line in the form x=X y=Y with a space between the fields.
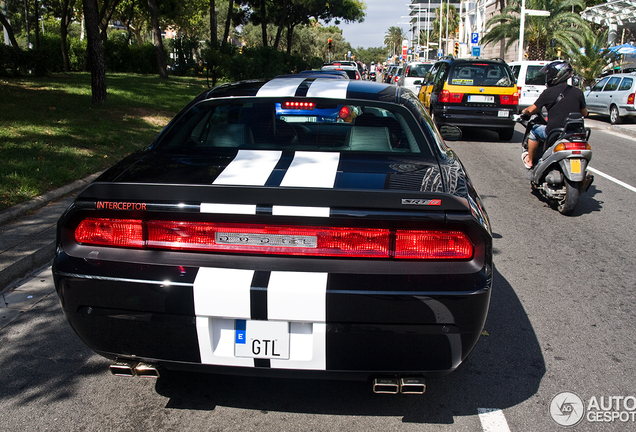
x=261 y=339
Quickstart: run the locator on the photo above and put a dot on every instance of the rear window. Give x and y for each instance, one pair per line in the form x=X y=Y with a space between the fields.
x=417 y=70
x=296 y=124
x=626 y=84
x=534 y=76
x=481 y=74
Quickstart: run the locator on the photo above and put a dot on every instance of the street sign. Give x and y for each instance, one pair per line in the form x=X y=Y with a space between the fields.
x=410 y=51
x=440 y=52
x=474 y=38
x=476 y=51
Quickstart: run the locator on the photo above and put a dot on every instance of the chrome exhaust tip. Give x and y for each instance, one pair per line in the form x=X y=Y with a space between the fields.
x=146 y=370
x=123 y=368
x=386 y=385
x=414 y=385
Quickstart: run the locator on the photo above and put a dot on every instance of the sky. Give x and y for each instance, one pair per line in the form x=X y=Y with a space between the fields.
x=381 y=14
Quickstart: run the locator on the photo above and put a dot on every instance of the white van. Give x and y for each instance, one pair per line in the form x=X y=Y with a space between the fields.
x=530 y=80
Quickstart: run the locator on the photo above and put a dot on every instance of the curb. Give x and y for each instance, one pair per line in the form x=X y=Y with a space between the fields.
x=19 y=210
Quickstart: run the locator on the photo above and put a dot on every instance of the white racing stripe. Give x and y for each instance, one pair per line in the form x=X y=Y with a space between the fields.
x=493 y=420
x=312 y=169
x=280 y=87
x=309 y=169
x=610 y=178
x=328 y=88
x=249 y=168
x=223 y=295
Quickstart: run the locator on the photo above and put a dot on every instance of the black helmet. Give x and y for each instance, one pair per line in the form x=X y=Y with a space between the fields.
x=557 y=72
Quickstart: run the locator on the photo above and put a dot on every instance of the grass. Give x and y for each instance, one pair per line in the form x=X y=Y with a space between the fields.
x=52 y=135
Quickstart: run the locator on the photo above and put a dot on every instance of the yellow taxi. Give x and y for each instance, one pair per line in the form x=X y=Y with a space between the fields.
x=472 y=93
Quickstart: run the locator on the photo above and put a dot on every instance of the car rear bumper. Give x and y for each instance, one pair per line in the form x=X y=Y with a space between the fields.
x=371 y=324
x=485 y=117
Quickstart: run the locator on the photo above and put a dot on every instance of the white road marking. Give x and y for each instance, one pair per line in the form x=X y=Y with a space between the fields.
x=610 y=178
x=493 y=420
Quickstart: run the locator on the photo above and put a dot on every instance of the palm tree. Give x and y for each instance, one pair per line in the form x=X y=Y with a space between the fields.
x=590 y=61
x=440 y=18
x=564 y=25
x=394 y=37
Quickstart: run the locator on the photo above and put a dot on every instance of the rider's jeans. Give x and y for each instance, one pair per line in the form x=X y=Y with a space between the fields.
x=537 y=133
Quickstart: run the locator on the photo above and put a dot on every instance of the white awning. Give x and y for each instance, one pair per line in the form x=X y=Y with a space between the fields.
x=619 y=12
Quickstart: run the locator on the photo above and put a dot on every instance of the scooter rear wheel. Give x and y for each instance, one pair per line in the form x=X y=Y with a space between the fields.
x=568 y=203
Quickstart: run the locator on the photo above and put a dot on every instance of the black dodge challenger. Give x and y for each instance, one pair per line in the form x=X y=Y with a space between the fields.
x=305 y=226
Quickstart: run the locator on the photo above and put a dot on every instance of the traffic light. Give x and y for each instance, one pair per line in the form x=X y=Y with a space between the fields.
x=456 y=49
x=329 y=45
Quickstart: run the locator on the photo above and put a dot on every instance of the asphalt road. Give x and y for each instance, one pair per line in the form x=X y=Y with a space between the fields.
x=561 y=319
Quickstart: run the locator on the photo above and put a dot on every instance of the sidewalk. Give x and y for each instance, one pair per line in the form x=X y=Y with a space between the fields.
x=27 y=243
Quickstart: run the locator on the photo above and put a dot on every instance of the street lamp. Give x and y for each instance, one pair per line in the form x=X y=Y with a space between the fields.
x=532 y=12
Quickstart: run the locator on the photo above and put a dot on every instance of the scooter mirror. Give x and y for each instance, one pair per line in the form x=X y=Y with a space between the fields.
x=450 y=132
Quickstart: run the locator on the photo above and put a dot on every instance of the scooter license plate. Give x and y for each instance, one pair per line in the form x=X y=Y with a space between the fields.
x=575 y=166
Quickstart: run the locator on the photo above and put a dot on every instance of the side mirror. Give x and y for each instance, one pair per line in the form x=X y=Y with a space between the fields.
x=576 y=81
x=587 y=88
x=417 y=82
x=450 y=132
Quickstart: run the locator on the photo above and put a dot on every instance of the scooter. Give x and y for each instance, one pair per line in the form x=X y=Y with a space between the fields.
x=560 y=174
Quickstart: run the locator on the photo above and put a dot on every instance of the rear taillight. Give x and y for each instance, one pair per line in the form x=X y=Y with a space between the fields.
x=630 y=98
x=432 y=245
x=512 y=99
x=110 y=232
x=572 y=145
x=447 y=97
x=277 y=240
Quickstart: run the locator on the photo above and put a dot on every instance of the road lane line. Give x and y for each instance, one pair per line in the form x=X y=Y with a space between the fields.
x=493 y=420
x=610 y=178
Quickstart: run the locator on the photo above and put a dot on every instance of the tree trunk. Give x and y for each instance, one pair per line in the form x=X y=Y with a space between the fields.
x=264 y=22
x=67 y=11
x=228 y=21
x=9 y=29
x=37 y=25
x=161 y=55
x=95 y=52
x=281 y=24
x=214 y=40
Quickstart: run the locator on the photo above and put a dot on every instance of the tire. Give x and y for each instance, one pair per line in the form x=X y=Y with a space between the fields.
x=568 y=203
x=615 y=117
x=506 y=134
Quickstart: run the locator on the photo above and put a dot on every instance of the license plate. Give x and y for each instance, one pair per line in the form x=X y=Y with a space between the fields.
x=261 y=339
x=481 y=98
x=299 y=119
x=502 y=113
x=575 y=166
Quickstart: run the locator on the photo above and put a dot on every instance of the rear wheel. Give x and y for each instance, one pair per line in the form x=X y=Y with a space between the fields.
x=568 y=203
x=506 y=134
x=615 y=118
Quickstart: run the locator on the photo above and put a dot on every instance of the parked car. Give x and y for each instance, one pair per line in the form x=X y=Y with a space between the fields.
x=298 y=226
x=396 y=75
x=614 y=96
x=472 y=92
x=530 y=80
x=413 y=75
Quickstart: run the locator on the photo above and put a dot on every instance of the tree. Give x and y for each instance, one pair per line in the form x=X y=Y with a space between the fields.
x=95 y=52
x=564 y=25
x=156 y=29
x=393 y=38
x=590 y=61
x=5 y=23
x=440 y=22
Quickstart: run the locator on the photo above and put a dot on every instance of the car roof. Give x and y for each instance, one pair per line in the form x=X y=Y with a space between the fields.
x=292 y=85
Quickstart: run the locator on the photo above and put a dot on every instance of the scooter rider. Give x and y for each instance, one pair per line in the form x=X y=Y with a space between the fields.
x=560 y=99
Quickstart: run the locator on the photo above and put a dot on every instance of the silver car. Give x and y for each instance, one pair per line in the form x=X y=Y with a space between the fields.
x=413 y=74
x=613 y=95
